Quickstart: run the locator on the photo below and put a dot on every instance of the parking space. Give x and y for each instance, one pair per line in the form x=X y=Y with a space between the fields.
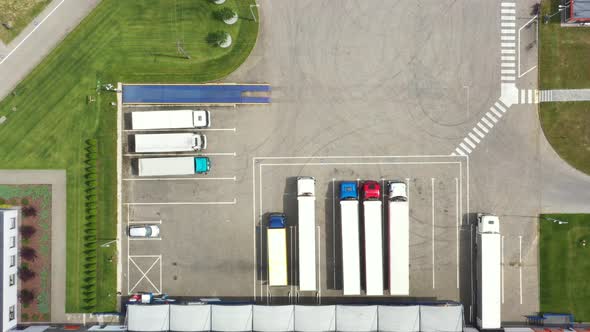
x=436 y=187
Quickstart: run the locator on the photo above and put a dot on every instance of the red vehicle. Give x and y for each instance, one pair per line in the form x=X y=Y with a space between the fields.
x=371 y=190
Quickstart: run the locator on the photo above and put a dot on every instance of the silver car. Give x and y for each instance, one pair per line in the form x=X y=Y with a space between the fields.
x=150 y=231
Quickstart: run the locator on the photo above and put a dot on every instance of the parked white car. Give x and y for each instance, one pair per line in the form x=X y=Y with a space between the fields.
x=149 y=231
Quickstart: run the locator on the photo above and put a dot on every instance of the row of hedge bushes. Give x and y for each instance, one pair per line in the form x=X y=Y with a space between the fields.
x=89 y=253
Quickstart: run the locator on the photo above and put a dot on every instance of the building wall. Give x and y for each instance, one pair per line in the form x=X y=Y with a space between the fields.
x=9 y=220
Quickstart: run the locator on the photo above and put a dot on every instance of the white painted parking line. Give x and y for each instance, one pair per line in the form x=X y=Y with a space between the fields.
x=468 y=141
x=483 y=127
x=491 y=117
x=473 y=137
x=367 y=163
x=180 y=154
x=254 y=228
x=144 y=239
x=502 y=265
x=334 y=228
x=457 y=225
x=144 y=222
x=490 y=125
x=182 y=203
x=182 y=179
x=190 y=130
x=319 y=270
x=520 y=266
x=353 y=157
x=432 y=199
x=479 y=133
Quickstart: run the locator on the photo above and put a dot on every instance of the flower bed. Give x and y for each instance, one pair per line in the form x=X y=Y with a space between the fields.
x=34 y=248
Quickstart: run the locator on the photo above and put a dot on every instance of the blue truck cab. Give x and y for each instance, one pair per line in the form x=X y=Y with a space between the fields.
x=202 y=165
x=276 y=220
x=348 y=191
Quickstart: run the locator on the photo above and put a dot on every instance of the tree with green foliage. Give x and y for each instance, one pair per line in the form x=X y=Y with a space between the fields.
x=26 y=274
x=28 y=254
x=27 y=231
x=225 y=14
x=26 y=296
x=217 y=38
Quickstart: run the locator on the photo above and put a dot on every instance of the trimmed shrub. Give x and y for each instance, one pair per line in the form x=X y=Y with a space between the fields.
x=26 y=297
x=24 y=201
x=27 y=231
x=28 y=253
x=29 y=211
x=26 y=274
x=224 y=13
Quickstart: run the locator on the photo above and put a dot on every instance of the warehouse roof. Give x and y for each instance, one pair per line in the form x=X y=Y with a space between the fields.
x=580 y=10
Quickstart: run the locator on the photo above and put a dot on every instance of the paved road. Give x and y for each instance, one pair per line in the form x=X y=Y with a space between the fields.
x=38 y=39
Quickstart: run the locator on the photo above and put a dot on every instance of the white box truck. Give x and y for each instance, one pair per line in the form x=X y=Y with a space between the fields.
x=170 y=119
x=349 y=225
x=399 y=238
x=173 y=166
x=489 y=281
x=276 y=235
x=175 y=142
x=373 y=247
x=306 y=233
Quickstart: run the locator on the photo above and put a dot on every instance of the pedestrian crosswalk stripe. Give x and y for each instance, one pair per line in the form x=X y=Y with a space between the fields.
x=508 y=64
x=500 y=107
x=473 y=137
x=490 y=125
x=459 y=151
x=478 y=132
x=505 y=51
x=489 y=115
x=507 y=45
x=483 y=127
x=468 y=141
x=498 y=114
x=508 y=58
x=508 y=78
x=468 y=150
x=508 y=24
x=508 y=4
x=508 y=18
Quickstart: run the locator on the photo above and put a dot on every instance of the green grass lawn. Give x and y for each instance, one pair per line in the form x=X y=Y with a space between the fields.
x=564 y=64
x=49 y=117
x=19 y=13
x=565 y=265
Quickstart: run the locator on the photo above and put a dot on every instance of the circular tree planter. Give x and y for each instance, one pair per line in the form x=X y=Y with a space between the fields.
x=231 y=20
x=226 y=43
x=218 y=2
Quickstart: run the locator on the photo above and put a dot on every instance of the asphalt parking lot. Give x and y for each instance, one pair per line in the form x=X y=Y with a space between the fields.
x=355 y=95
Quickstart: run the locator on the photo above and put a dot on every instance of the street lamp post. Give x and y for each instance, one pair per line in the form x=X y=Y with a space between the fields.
x=252 y=12
x=560 y=8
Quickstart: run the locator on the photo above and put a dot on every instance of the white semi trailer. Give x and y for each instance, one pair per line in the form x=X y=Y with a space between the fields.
x=373 y=247
x=170 y=119
x=175 y=142
x=399 y=239
x=306 y=233
x=489 y=281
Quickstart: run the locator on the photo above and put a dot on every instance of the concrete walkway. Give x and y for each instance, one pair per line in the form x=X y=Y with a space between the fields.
x=564 y=95
x=57 y=180
x=45 y=32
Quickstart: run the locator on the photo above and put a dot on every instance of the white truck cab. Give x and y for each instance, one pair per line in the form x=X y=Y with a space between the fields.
x=398 y=191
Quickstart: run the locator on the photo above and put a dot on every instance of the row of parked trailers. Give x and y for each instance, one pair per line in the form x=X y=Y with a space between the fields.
x=171 y=142
x=398 y=246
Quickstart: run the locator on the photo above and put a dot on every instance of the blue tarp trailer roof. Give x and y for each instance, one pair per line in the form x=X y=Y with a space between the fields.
x=197 y=94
